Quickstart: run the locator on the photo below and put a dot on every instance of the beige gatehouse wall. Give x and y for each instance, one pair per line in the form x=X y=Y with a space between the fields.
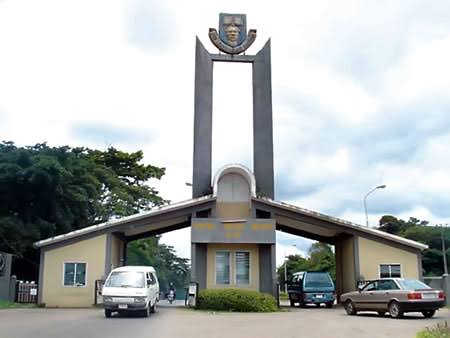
x=373 y=253
x=232 y=248
x=90 y=251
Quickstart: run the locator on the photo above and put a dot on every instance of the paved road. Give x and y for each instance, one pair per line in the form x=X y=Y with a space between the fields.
x=176 y=322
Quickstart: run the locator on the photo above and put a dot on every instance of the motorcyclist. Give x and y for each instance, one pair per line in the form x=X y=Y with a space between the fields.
x=172 y=288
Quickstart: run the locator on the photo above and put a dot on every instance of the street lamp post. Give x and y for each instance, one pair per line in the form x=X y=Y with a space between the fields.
x=365 y=197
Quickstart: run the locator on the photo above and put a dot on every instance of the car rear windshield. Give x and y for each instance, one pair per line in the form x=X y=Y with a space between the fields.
x=126 y=279
x=318 y=279
x=412 y=284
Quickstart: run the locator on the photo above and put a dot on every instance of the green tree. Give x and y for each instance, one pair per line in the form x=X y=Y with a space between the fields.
x=46 y=191
x=169 y=266
x=320 y=257
x=423 y=232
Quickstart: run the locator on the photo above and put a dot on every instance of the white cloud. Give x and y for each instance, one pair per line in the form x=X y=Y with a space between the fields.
x=423 y=73
x=181 y=240
x=353 y=83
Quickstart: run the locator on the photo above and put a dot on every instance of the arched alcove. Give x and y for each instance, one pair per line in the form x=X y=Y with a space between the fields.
x=234 y=185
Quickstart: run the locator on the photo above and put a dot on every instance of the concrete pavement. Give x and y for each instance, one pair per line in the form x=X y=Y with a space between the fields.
x=176 y=322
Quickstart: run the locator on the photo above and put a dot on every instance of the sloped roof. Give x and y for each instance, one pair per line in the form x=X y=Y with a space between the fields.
x=166 y=209
x=343 y=223
x=124 y=220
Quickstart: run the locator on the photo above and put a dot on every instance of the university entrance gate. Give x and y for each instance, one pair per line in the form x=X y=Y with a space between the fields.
x=233 y=217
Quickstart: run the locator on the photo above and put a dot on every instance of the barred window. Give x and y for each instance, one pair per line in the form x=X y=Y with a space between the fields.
x=222 y=267
x=390 y=271
x=74 y=274
x=242 y=267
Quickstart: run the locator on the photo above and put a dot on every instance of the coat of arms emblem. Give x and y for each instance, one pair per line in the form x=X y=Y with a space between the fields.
x=232 y=37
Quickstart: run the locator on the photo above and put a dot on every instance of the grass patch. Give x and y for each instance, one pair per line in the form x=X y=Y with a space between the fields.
x=236 y=300
x=437 y=331
x=10 y=305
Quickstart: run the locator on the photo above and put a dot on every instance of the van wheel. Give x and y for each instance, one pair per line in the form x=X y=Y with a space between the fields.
x=153 y=308
x=350 y=308
x=291 y=302
x=146 y=312
x=394 y=310
x=108 y=313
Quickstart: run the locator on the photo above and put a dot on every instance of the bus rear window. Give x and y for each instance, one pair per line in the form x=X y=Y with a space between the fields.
x=318 y=279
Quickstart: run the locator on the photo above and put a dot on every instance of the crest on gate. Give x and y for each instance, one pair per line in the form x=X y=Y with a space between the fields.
x=232 y=37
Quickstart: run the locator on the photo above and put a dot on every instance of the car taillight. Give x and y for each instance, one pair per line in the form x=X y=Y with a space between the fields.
x=442 y=294
x=414 y=295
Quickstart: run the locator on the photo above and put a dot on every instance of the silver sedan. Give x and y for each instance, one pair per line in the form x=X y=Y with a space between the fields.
x=396 y=296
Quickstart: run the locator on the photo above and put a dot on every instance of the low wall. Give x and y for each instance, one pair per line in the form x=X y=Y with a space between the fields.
x=442 y=283
x=8 y=288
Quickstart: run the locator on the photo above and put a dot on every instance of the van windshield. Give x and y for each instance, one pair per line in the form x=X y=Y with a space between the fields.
x=126 y=279
x=318 y=279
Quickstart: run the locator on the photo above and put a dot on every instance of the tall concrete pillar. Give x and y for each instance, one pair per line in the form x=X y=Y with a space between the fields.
x=198 y=264
x=267 y=269
x=262 y=122
x=201 y=180
x=262 y=119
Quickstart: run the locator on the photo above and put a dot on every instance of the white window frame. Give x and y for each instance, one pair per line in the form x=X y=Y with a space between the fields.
x=64 y=273
x=390 y=271
x=215 y=266
x=249 y=268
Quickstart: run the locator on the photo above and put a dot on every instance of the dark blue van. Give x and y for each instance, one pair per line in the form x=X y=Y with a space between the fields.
x=308 y=287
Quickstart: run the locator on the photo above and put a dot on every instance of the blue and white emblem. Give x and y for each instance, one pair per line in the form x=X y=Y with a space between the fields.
x=232 y=37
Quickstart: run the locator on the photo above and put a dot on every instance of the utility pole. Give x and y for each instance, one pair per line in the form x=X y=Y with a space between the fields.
x=285 y=267
x=285 y=276
x=444 y=251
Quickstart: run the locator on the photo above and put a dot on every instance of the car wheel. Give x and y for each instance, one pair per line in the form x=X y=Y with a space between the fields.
x=350 y=308
x=395 y=310
x=429 y=313
x=153 y=308
x=381 y=313
x=108 y=313
x=329 y=305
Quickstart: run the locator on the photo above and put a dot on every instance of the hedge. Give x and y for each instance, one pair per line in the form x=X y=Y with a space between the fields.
x=236 y=300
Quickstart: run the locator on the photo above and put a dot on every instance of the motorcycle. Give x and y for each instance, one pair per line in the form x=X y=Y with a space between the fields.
x=171 y=296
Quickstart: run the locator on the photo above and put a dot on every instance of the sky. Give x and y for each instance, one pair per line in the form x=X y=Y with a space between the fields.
x=361 y=95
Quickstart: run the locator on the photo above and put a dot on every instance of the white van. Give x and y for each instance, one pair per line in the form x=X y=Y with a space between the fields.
x=131 y=288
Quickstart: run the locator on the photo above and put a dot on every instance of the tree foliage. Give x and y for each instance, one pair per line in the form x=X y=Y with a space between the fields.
x=423 y=232
x=170 y=267
x=46 y=191
x=320 y=258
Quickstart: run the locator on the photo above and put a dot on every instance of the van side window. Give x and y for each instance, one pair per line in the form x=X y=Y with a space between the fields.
x=154 y=279
x=149 y=279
